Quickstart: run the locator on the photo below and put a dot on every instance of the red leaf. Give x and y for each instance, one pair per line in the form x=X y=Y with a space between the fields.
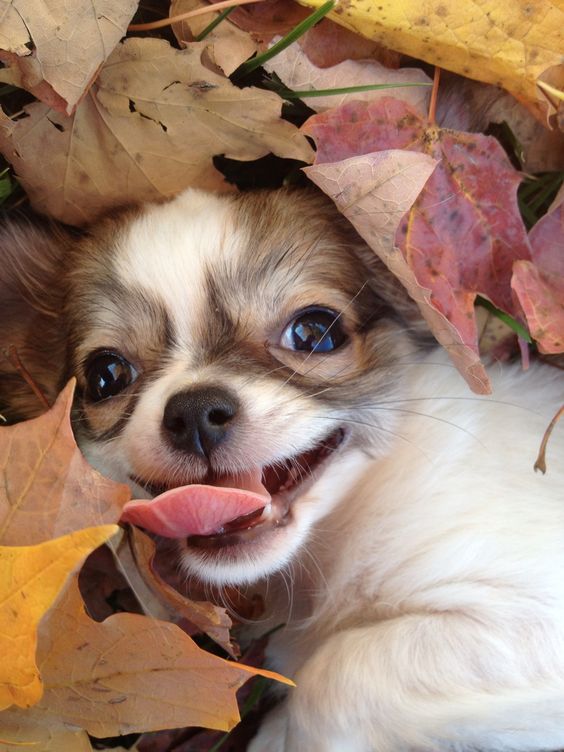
x=464 y=232
x=539 y=285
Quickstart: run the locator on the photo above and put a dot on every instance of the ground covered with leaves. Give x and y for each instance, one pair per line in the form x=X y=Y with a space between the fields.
x=439 y=136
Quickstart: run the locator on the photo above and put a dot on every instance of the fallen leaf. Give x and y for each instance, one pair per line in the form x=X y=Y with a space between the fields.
x=374 y=191
x=47 y=488
x=227 y=46
x=61 y=44
x=212 y=620
x=295 y=69
x=539 y=284
x=147 y=128
x=131 y=673
x=31 y=733
x=32 y=577
x=507 y=44
x=464 y=231
x=269 y=19
x=466 y=105
x=327 y=44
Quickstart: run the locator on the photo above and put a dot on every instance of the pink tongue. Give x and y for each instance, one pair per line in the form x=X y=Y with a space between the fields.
x=199 y=509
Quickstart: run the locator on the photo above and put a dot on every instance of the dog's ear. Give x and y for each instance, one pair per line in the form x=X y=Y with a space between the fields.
x=32 y=300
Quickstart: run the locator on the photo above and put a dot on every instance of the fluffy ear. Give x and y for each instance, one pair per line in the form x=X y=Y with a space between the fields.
x=32 y=299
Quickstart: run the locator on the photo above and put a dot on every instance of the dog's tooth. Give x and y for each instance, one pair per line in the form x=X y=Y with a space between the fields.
x=267 y=512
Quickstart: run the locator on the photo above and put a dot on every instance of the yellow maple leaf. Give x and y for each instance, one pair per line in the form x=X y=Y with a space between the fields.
x=31 y=578
x=507 y=44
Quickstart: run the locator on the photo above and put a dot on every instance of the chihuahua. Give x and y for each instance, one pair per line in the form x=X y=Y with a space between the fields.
x=271 y=396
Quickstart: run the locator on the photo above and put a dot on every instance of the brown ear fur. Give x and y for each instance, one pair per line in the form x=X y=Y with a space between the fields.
x=32 y=299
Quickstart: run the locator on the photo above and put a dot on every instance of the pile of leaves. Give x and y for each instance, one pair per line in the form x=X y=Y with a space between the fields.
x=106 y=103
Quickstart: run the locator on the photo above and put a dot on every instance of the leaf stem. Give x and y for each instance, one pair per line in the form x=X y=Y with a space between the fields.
x=189 y=14
x=540 y=463
x=250 y=65
x=434 y=95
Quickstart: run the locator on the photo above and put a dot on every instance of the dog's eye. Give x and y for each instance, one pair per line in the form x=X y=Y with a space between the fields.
x=314 y=330
x=108 y=374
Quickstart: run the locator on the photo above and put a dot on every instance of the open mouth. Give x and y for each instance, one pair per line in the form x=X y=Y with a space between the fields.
x=229 y=510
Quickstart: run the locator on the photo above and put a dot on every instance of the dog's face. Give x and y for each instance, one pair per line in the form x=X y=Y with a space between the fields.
x=217 y=338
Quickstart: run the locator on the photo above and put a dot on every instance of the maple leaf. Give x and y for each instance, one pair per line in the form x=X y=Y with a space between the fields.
x=539 y=284
x=508 y=44
x=466 y=105
x=26 y=731
x=464 y=231
x=129 y=673
x=207 y=617
x=148 y=128
x=294 y=68
x=55 y=49
x=227 y=45
x=47 y=488
x=267 y=20
x=32 y=577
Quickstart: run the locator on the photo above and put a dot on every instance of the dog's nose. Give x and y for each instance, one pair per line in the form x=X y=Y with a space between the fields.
x=197 y=420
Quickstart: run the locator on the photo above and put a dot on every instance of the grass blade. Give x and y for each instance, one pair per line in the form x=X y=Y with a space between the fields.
x=250 y=65
x=211 y=26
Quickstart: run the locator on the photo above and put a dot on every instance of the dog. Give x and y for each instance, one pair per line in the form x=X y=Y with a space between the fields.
x=253 y=347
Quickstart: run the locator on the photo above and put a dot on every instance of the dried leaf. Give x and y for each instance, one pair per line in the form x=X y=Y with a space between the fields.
x=47 y=488
x=539 y=284
x=327 y=44
x=464 y=232
x=147 y=128
x=507 y=44
x=294 y=68
x=131 y=673
x=267 y=20
x=62 y=44
x=208 y=618
x=32 y=577
x=33 y=734
x=466 y=105
x=374 y=191
x=227 y=45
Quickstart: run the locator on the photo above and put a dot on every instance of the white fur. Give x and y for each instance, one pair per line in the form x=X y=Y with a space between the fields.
x=422 y=590
x=433 y=617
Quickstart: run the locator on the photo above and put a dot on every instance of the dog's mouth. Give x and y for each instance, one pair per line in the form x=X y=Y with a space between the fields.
x=228 y=510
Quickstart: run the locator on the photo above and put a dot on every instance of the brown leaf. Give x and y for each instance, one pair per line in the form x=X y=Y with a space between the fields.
x=295 y=69
x=464 y=232
x=131 y=673
x=147 y=128
x=227 y=46
x=374 y=191
x=68 y=41
x=47 y=489
x=212 y=620
x=327 y=44
x=269 y=19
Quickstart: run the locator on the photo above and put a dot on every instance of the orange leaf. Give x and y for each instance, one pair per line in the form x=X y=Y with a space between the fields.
x=47 y=488
x=31 y=578
x=131 y=673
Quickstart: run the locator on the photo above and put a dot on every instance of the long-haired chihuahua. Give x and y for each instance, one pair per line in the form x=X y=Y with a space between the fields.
x=272 y=398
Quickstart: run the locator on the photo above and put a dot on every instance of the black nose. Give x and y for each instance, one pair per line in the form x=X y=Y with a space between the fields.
x=197 y=420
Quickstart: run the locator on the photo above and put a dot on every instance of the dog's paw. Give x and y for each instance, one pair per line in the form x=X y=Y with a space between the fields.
x=271 y=736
